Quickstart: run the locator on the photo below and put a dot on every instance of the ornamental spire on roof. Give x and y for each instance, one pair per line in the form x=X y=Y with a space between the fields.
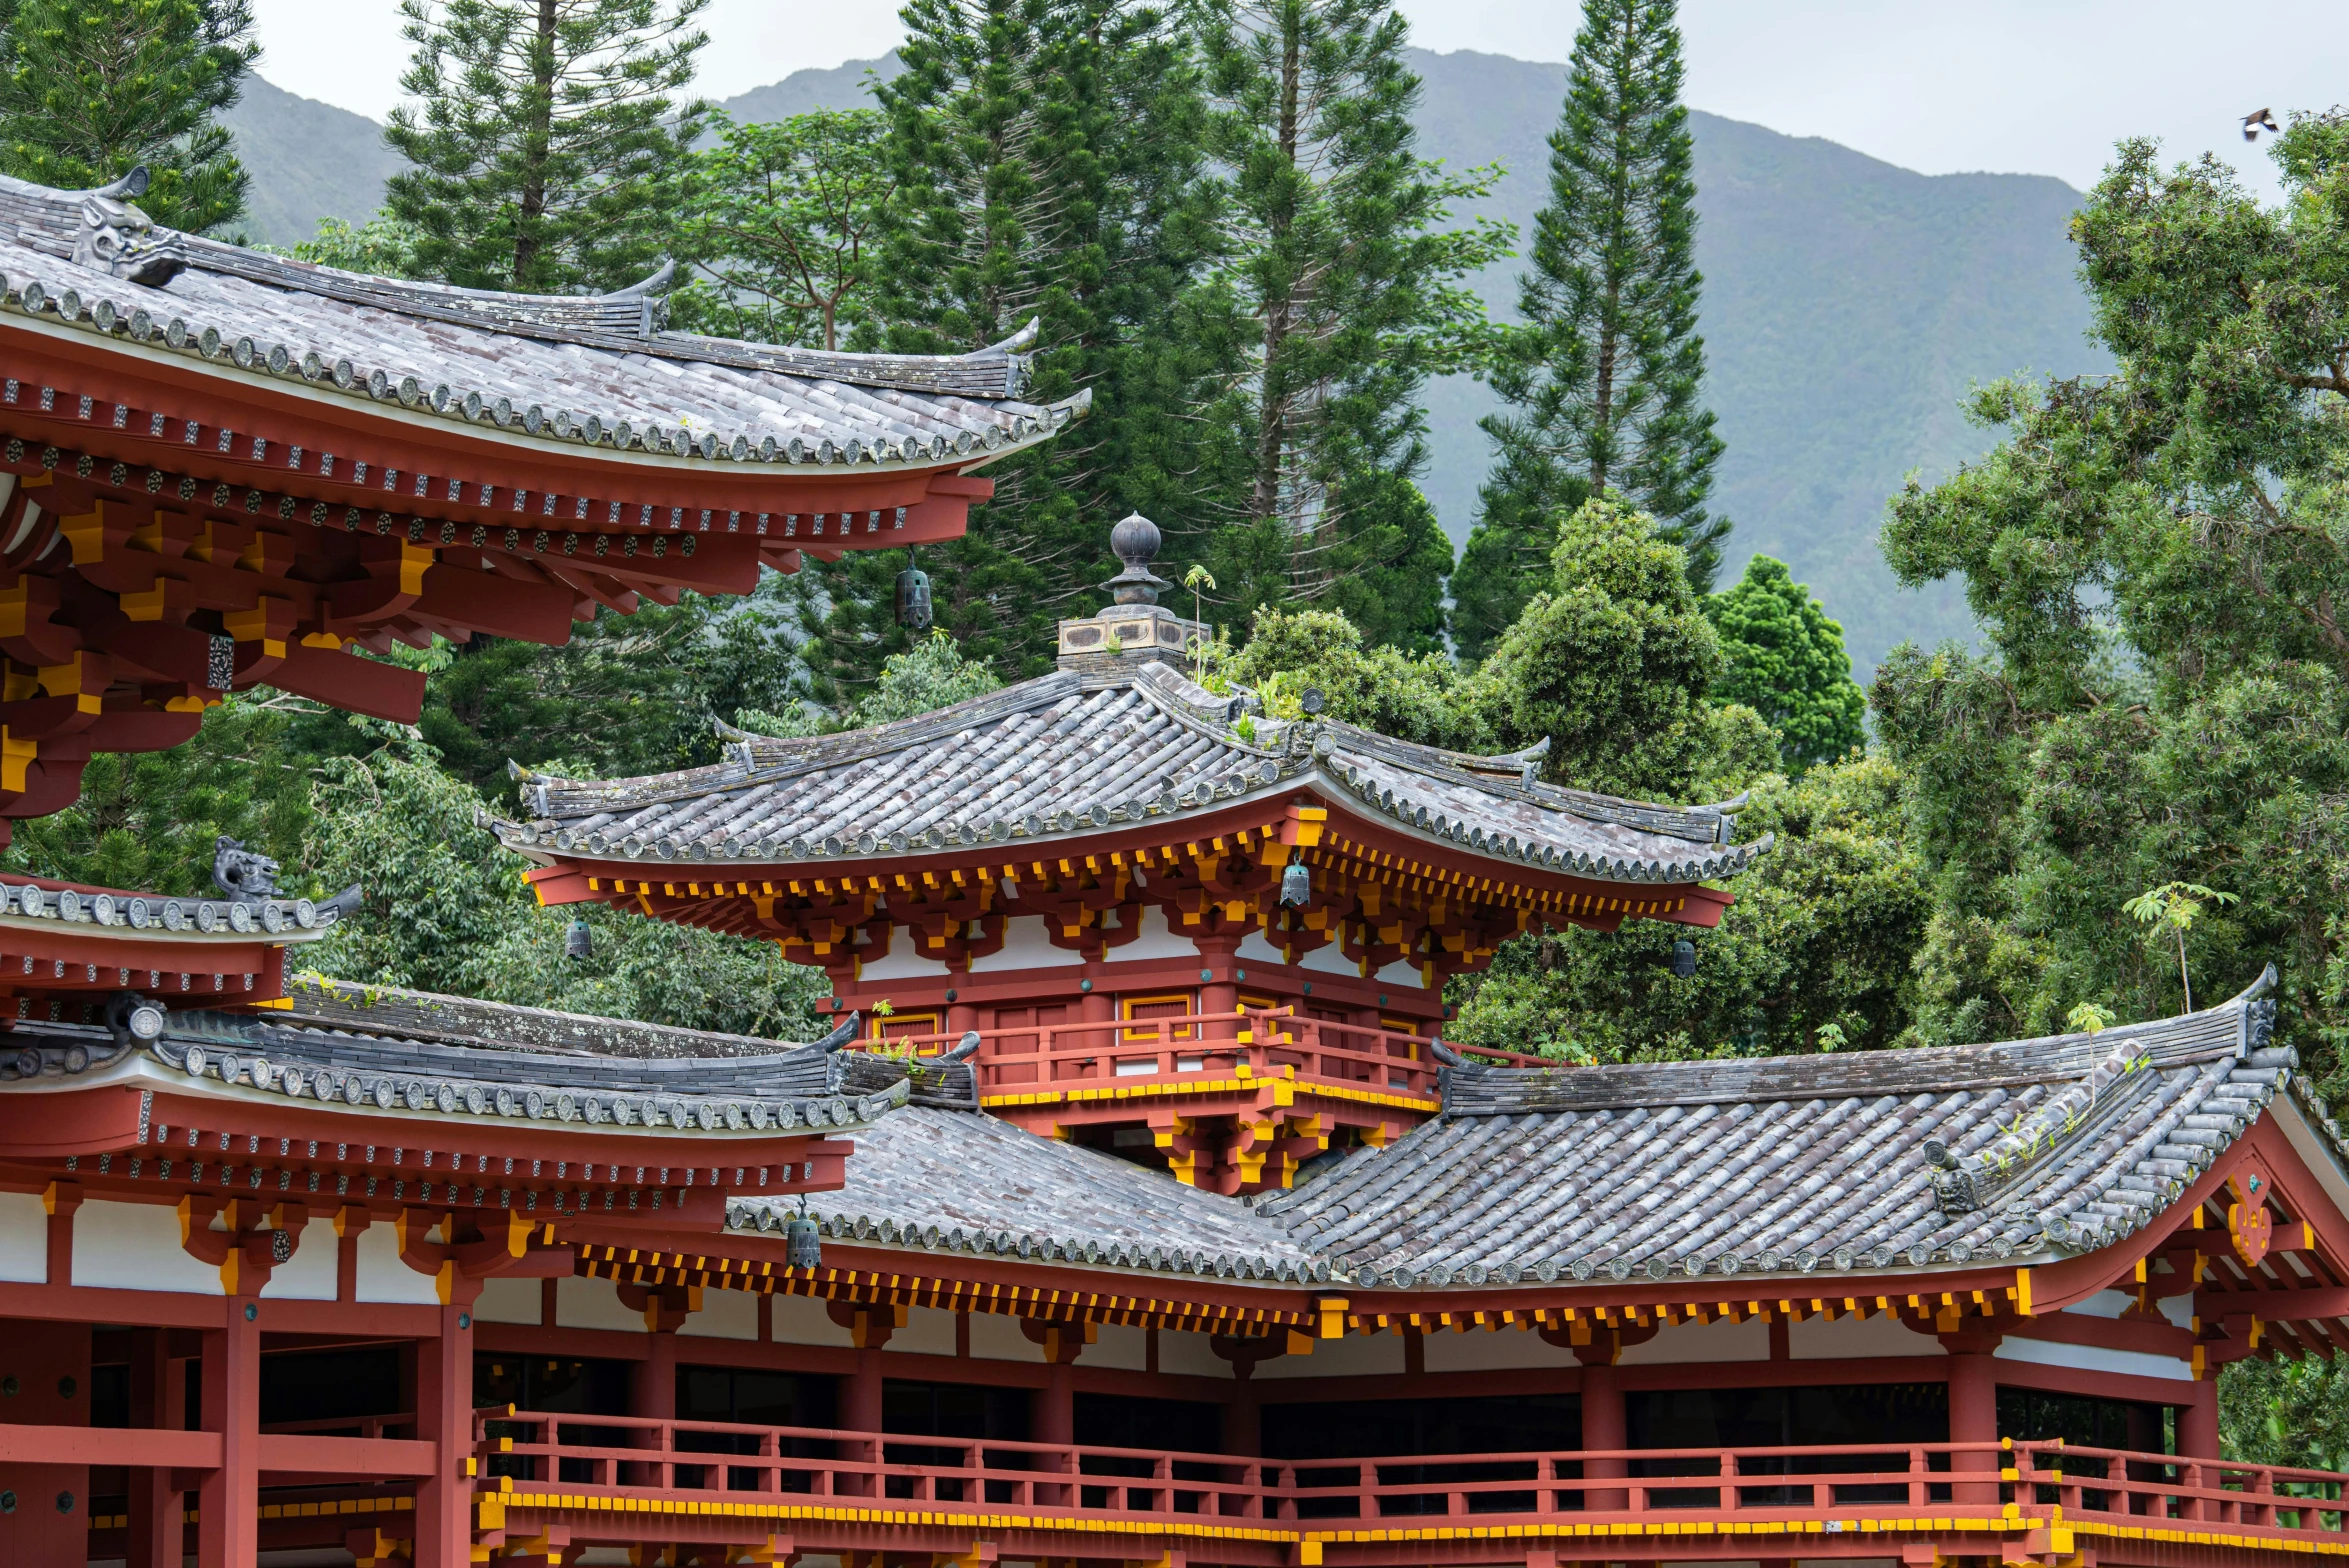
x=1135 y=629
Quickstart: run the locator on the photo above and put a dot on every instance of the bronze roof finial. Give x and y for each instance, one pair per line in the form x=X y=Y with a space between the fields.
x=1135 y=542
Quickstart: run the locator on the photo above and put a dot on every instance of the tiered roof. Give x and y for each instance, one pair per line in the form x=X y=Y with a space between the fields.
x=1829 y=1170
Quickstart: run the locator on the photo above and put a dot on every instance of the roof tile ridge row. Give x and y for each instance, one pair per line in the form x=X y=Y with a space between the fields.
x=751 y=758
x=1444 y=823
x=324 y=999
x=435 y=1088
x=101 y=313
x=1697 y=824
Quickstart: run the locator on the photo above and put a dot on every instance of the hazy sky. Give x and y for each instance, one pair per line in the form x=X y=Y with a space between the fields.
x=2030 y=86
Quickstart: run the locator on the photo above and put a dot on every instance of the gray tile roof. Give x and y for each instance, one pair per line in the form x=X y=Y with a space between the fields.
x=553 y=369
x=1798 y=1164
x=1816 y=1166
x=958 y=1182
x=479 y=1060
x=1066 y=755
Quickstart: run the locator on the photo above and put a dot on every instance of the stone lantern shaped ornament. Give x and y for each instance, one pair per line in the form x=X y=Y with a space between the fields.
x=1135 y=628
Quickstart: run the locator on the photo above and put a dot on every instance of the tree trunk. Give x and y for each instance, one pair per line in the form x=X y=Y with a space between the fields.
x=538 y=132
x=1272 y=416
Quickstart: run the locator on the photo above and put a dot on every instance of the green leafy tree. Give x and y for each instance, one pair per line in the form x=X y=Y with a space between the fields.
x=384 y=246
x=2156 y=562
x=1415 y=697
x=550 y=145
x=91 y=88
x=1783 y=658
x=1614 y=664
x=148 y=821
x=784 y=222
x=1604 y=378
x=1349 y=282
x=1047 y=163
x=445 y=911
x=1814 y=954
x=627 y=695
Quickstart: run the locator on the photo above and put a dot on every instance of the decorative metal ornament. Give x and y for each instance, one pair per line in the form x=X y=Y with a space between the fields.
x=1296 y=884
x=1684 y=959
x=913 y=599
x=578 y=942
x=802 y=1247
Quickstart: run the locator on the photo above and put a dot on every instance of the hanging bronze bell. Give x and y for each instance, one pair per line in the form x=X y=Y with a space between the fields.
x=913 y=599
x=802 y=1247
x=578 y=942
x=1297 y=885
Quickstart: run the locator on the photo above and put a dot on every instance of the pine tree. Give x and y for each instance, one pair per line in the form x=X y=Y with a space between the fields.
x=1605 y=375
x=91 y=88
x=1047 y=160
x=1784 y=659
x=551 y=148
x=1350 y=288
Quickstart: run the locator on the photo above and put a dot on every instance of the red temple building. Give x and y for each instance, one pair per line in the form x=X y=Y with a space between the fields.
x=1157 y=1225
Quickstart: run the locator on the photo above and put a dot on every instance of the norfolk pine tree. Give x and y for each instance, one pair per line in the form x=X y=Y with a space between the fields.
x=1351 y=296
x=1604 y=376
x=91 y=88
x=1047 y=165
x=550 y=148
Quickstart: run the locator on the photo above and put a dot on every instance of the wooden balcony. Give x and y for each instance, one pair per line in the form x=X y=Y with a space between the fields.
x=617 y=1481
x=1233 y=1101
x=1199 y=1053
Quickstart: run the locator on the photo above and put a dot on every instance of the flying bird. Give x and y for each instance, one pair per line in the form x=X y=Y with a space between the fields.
x=2253 y=124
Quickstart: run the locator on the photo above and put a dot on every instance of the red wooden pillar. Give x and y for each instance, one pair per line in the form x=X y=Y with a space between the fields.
x=652 y=1382
x=228 y=1503
x=1221 y=993
x=1603 y=1425
x=2198 y=1424
x=1973 y=1410
x=158 y=1399
x=1053 y=1409
x=444 y=1418
x=1243 y=1419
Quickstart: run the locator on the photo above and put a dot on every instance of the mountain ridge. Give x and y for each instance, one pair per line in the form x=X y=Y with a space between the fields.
x=1848 y=303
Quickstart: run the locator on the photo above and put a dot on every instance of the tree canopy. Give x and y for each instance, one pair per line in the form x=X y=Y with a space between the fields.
x=1783 y=658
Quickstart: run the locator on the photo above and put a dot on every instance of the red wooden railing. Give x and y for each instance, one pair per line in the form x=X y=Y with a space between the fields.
x=622 y=1456
x=1266 y=1041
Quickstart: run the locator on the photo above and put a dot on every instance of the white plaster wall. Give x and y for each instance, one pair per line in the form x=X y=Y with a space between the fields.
x=309 y=1275
x=1686 y=1342
x=903 y=961
x=1845 y=1339
x=926 y=1331
x=24 y=1237
x=724 y=1314
x=2093 y=1358
x=593 y=1303
x=135 y=1246
x=1402 y=974
x=1357 y=1355
x=1482 y=1350
x=997 y=1337
x=1330 y=959
x=1157 y=941
x=508 y=1301
x=2112 y=1303
x=1254 y=949
x=1190 y=1355
x=1024 y=947
x=803 y=1320
x=1117 y=1345
x=383 y=1277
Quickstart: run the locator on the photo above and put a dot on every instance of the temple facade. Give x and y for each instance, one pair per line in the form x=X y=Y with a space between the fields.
x=1134 y=1209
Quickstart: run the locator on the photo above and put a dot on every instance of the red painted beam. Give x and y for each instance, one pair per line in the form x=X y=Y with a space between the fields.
x=109 y=1445
x=303 y=1453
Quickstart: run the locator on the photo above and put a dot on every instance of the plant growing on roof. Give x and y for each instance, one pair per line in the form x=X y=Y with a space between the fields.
x=1197 y=578
x=2168 y=912
x=2088 y=1018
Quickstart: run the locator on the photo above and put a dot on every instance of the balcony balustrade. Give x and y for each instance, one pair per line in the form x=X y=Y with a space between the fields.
x=1203 y=1047
x=633 y=1471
